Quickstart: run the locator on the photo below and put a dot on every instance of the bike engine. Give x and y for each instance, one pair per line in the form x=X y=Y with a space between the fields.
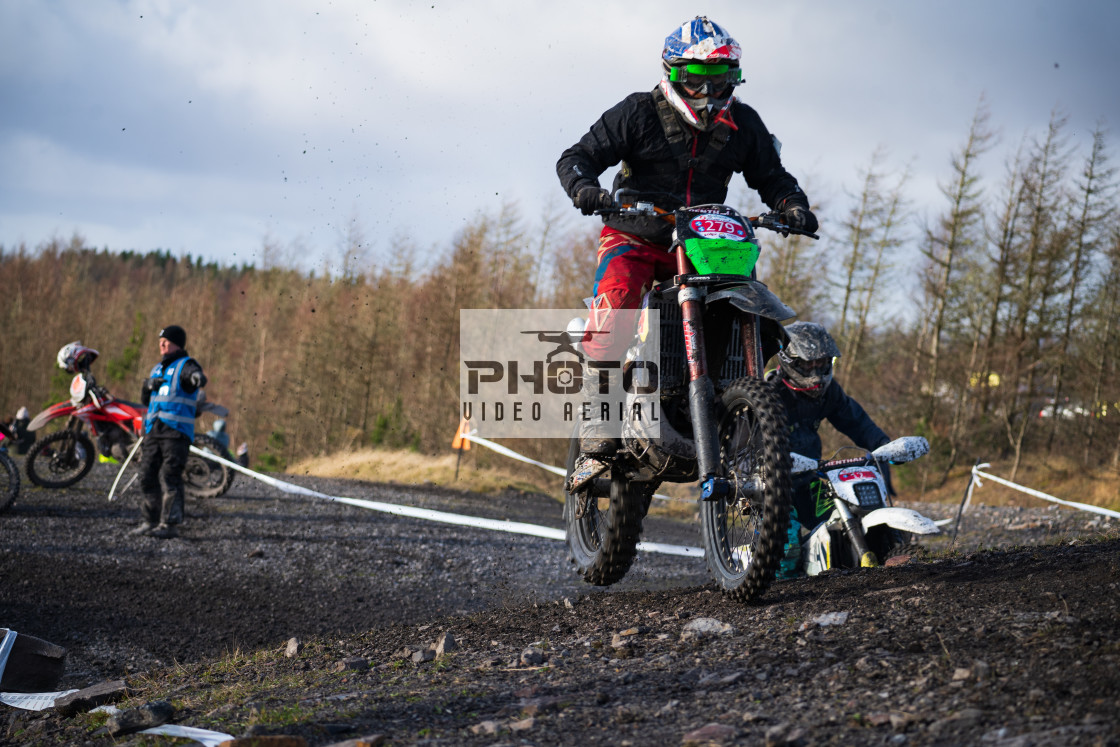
x=114 y=442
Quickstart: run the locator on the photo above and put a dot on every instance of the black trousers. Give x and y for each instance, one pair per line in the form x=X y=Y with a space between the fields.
x=162 y=461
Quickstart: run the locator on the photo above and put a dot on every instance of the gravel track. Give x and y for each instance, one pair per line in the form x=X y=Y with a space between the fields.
x=1000 y=642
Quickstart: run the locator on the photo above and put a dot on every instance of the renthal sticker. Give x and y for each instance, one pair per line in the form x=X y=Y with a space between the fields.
x=847 y=475
x=713 y=226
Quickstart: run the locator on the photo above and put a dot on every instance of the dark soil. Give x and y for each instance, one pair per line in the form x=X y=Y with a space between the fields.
x=1009 y=637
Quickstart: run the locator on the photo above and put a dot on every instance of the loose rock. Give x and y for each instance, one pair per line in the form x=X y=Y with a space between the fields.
x=91 y=697
x=155 y=713
x=704 y=627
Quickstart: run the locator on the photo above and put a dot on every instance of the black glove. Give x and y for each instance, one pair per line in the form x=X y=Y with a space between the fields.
x=196 y=379
x=800 y=217
x=153 y=384
x=589 y=199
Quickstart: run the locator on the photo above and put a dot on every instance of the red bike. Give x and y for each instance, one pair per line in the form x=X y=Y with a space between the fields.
x=63 y=458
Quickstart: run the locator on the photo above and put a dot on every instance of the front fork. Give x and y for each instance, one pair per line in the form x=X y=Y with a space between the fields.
x=853 y=527
x=701 y=390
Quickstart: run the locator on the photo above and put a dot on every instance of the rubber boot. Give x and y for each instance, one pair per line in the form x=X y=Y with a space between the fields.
x=171 y=515
x=150 y=508
x=143 y=528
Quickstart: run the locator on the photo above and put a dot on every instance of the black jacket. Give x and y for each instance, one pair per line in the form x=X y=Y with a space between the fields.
x=805 y=415
x=631 y=132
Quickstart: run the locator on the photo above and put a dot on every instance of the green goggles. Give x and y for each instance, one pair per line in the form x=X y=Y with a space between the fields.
x=682 y=72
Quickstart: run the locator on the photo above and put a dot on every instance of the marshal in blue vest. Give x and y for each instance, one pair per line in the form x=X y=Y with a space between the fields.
x=170 y=403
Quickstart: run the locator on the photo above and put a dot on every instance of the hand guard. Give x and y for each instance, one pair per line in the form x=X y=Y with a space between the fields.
x=589 y=199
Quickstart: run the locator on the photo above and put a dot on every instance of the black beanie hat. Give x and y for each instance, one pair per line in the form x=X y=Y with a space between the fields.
x=174 y=334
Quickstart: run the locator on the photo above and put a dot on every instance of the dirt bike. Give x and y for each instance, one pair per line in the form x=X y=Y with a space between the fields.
x=862 y=530
x=9 y=473
x=721 y=424
x=61 y=459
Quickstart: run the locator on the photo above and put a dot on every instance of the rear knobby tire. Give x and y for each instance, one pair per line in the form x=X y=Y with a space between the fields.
x=203 y=478
x=603 y=541
x=744 y=533
x=60 y=459
x=9 y=482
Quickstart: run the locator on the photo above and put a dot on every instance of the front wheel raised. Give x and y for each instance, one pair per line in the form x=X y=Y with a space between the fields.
x=603 y=522
x=60 y=459
x=744 y=532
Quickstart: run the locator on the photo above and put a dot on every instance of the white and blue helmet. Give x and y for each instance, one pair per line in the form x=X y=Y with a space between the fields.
x=701 y=69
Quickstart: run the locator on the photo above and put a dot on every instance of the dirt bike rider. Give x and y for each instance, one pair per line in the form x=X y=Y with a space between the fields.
x=170 y=393
x=682 y=141
x=803 y=381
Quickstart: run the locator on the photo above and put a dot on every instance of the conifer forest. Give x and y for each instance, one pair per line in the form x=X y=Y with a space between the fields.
x=987 y=322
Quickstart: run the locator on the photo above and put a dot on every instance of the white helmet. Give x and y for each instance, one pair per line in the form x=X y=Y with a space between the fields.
x=75 y=357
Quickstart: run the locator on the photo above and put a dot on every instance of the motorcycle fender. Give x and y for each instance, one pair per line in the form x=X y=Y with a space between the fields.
x=754 y=298
x=903 y=519
x=61 y=410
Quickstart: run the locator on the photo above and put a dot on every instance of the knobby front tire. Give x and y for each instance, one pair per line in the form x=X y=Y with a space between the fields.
x=60 y=459
x=744 y=533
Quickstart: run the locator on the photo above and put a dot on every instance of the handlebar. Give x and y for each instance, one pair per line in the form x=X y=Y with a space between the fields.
x=803 y=464
x=634 y=203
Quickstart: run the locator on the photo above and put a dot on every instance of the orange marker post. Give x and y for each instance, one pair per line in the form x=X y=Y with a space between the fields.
x=461 y=443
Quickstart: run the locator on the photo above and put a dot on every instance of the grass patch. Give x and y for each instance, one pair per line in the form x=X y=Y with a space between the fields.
x=480 y=471
x=477 y=474
x=1056 y=475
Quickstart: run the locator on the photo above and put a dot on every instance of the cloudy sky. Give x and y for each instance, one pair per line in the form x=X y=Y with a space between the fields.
x=211 y=127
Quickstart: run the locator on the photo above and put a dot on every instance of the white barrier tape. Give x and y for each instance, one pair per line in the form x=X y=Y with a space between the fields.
x=498 y=525
x=513 y=454
x=120 y=472
x=33 y=701
x=681 y=550
x=977 y=474
x=554 y=470
x=206 y=737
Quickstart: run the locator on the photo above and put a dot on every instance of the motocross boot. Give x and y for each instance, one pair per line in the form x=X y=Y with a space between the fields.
x=598 y=439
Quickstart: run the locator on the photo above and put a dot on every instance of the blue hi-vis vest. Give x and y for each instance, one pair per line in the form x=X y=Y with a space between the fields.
x=170 y=403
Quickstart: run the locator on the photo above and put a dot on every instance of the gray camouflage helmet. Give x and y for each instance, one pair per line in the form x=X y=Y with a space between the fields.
x=806 y=361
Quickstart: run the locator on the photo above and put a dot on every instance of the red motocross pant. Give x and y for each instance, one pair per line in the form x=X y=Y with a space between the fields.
x=628 y=267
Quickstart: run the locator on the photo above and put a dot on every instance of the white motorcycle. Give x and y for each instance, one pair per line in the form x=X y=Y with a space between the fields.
x=862 y=530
